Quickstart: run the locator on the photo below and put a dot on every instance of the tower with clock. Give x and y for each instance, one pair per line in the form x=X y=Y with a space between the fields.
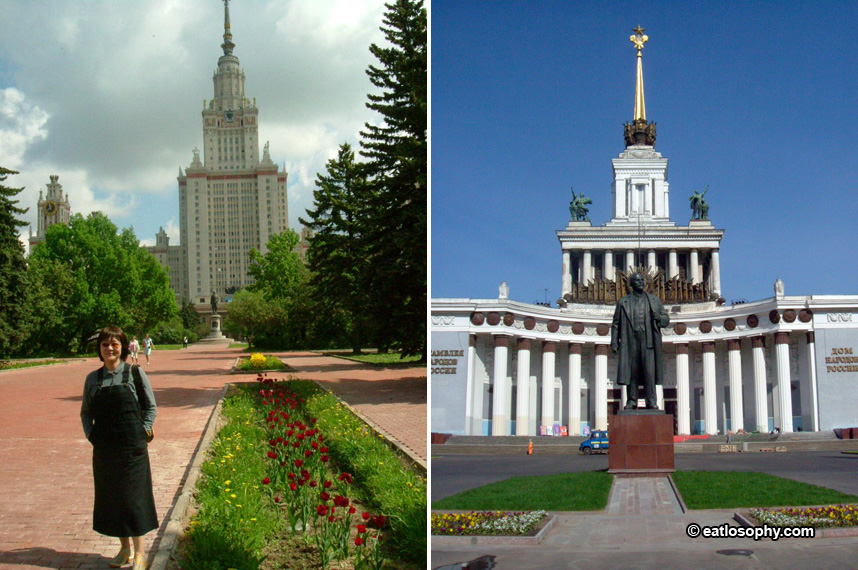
x=233 y=197
x=53 y=208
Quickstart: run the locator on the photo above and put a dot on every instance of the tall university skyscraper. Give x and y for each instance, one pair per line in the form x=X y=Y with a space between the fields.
x=232 y=200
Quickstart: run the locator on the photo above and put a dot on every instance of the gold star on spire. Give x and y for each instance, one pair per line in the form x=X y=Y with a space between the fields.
x=639 y=39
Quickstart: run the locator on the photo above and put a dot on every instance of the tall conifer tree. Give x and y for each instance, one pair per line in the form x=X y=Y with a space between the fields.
x=396 y=151
x=13 y=270
x=337 y=254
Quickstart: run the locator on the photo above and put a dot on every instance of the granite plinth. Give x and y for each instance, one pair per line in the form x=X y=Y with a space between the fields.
x=641 y=442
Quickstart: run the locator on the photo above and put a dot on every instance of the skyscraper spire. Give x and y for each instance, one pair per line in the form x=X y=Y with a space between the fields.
x=227 y=44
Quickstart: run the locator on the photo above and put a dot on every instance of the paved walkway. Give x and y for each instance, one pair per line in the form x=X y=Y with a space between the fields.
x=642 y=496
x=45 y=462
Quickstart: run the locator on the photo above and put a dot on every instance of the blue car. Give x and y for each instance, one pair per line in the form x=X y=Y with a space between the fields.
x=598 y=443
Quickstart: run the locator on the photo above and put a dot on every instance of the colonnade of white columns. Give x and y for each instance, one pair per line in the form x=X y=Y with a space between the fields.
x=502 y=390
x=586 y=270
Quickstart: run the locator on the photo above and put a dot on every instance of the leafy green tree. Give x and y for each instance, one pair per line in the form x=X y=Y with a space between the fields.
x=279 y=272
x=396 y=151
x=338 y=254
x=260 y=320
x=14 y=306
x=111 y=280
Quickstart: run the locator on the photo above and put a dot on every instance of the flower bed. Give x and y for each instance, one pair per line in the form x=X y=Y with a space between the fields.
x=258 y=362
x=486 y=523
x=272 y=487
x=816 y=517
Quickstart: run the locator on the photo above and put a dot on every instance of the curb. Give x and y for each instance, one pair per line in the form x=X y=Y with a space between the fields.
x=174 y=525
x=400 y=446
x=497 y=540
x=673 y=486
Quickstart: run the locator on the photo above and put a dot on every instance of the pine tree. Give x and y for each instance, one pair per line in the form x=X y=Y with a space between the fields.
x=337 y=255
x=14 y=320
x=397 y=169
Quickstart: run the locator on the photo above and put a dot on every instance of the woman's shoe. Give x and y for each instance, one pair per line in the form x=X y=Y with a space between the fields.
x=124 y=557
x=139 y=562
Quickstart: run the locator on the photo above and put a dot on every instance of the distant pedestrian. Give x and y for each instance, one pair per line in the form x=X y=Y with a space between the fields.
x=185 y=342
x=134 y=350
x=117 y=413
x=148 y=345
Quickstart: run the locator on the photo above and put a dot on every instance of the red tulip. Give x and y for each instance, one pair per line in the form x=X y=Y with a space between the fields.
x=358 y=541
x=266 y=481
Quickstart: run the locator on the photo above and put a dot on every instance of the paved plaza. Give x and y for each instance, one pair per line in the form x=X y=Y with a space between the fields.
x=643 y=526
x=45 y=461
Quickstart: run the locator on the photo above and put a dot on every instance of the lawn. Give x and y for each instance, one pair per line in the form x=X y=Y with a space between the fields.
x=733 y=490
x=564 y=492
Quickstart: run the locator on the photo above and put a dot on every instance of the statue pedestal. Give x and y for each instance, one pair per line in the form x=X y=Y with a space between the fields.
x=640 y=441
x=215 y=333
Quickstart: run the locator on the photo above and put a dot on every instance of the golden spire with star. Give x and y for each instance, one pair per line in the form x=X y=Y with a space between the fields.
x=639 y=39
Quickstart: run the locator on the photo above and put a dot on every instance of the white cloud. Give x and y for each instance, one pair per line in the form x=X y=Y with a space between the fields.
x=21 y=125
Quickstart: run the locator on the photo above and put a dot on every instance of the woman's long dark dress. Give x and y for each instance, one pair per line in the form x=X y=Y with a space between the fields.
x=124 y=502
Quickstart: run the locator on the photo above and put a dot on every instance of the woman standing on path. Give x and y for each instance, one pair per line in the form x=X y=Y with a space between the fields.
x=147 y=347
x=117 y=413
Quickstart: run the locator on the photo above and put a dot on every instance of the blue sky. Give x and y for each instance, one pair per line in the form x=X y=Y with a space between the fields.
x=757 y=100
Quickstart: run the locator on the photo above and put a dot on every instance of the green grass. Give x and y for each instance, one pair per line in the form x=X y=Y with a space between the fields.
x=564 y=492
x=377 y=359
x=732 y=489
x=243 y=345
x=16 y=364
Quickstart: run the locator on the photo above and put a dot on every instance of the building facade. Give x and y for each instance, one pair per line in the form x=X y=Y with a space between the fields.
x=171 y=257
x=53 y=208
x=500 y=367
x=232 y=199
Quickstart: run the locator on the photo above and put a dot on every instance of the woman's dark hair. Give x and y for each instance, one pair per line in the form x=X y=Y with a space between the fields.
x=111 y=333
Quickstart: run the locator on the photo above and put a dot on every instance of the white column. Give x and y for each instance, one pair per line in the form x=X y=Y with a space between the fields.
x=522 y=413
x=630 y=260
x=548 y=361
x=474 y=393
x=566 y=282
x=587 y=267
x=683 y=391
x=600 y=398
x=672 y=266
x=737 y=410
x=761 y=408
x=716 y=273
x=574 y=388
x=695 y=266
x=500 y=407
x=659 y=396
x=784 y=383
x=710 y=396
x=651 y=259
x=608 y=264
x=811 y=360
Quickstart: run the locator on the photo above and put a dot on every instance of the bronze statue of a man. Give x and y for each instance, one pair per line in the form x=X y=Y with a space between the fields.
x=214 y=299
x=636 y=339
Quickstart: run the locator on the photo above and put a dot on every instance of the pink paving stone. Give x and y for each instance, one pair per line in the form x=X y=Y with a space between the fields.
x=45 y=462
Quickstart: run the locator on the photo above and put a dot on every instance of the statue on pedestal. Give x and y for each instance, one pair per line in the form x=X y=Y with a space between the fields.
x=578 y=207
x=214 y=300
x=636 y=340
x=699 y=207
